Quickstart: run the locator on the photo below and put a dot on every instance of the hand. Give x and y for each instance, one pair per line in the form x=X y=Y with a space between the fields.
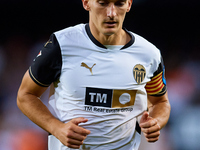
x=150 y=127
x=71 y=135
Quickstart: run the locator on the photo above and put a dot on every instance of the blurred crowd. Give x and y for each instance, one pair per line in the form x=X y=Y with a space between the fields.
x=181 y=133
x=17 y=132
x=182 y=62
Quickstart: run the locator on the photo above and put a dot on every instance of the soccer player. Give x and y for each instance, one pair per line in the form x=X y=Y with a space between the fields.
x=101 y=76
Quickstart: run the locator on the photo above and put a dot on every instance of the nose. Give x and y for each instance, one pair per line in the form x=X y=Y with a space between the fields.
x=111 y=11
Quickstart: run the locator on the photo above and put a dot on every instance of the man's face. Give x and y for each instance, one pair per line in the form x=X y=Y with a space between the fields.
x=107 y=16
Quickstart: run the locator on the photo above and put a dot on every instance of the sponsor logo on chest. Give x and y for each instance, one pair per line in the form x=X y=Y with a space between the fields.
x=109 y=98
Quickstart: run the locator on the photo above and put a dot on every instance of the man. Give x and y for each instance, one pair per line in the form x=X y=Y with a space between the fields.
x=102 y=75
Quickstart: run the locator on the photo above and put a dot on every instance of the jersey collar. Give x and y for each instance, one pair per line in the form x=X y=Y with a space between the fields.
x=92 y=38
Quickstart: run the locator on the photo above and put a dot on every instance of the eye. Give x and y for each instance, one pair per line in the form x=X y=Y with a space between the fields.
x=120 y=3
x=102 y=3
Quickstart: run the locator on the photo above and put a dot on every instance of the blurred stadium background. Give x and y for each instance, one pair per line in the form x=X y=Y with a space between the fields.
x=173 y=26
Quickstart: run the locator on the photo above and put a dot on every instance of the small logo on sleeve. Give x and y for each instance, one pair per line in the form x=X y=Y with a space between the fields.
x=49 y=41
x=40 y=53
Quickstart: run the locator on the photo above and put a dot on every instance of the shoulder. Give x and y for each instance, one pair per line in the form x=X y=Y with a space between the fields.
x=74 y=35
x=146 y=46
x=70 y=31
x=144 y=43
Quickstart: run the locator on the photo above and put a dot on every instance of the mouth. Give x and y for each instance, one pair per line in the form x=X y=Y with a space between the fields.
x=110 y=23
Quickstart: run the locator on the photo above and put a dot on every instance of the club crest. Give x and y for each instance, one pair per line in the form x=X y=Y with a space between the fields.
x=139 y=73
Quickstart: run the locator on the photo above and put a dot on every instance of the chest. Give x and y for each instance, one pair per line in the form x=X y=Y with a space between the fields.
x=110 y=69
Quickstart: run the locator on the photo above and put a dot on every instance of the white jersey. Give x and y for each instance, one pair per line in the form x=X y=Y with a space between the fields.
x=108 y=87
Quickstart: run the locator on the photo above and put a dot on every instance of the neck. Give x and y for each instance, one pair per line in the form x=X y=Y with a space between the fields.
x=119 y=38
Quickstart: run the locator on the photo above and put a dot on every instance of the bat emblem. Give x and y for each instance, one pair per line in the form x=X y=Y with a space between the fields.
x=139 y=73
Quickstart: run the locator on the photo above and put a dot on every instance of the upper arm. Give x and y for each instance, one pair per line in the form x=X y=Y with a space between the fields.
x=28 y=86
x=157 y=85
x=46 y=67
x=156 y=88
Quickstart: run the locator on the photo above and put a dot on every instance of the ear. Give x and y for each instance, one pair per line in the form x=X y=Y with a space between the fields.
x=129 y=5
x=86 y=4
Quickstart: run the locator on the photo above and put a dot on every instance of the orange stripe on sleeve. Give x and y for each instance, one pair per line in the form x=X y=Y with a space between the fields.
x=156 y=85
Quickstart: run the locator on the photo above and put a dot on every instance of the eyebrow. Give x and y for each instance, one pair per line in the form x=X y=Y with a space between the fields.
x=116 y=1
x=122 y=0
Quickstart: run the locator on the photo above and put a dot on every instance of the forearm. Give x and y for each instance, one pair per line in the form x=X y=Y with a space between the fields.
x=70 y=134
x=37 y=112
x=160 y=110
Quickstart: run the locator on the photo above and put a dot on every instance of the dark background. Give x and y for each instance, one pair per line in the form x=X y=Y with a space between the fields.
x=173 y=26
x=166 y=24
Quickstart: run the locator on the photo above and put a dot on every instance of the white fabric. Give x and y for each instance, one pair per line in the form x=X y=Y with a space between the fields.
x=111 y=127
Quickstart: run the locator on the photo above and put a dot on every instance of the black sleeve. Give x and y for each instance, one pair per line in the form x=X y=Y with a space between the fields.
x=157 y=86
x=46 y=67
